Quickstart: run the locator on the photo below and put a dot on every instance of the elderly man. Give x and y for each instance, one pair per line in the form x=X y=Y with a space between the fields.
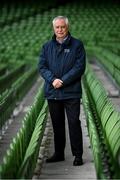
x=62 y=64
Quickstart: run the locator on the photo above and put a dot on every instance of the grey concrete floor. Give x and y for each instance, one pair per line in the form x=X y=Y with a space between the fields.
x=65 y=169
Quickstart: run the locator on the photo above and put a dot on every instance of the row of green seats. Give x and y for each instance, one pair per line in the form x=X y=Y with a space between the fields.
x=11 y=96
x=12 y=12
x=88 y=20
x=93 y=135
x=11 y=75
x=20 y=159
x=110 y=61
x=107 y=121
x=27 y=168
x=22 y=37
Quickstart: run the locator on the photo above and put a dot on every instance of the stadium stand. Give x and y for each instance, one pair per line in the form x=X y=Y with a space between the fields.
x=24 y=27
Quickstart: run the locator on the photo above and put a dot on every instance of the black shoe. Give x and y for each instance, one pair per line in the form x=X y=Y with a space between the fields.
x=55 y=158
x=77 y=161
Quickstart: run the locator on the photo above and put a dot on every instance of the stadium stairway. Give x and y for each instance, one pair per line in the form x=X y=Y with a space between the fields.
x=65 y=170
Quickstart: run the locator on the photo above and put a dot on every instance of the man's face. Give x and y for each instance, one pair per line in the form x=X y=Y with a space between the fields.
x=60 y=29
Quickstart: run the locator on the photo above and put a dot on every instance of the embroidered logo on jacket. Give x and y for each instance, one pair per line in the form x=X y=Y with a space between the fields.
x=66 y=50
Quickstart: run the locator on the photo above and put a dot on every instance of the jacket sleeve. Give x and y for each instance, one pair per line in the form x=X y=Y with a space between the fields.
x=43 y=67
x=78 y=68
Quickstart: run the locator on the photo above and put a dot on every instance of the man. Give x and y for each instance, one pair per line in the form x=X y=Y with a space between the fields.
x=62 y=64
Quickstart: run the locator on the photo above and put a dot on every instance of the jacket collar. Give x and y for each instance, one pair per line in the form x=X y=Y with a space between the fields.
x=66 y=42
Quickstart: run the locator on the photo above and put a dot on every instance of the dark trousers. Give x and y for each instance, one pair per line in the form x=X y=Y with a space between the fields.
x=57 y=110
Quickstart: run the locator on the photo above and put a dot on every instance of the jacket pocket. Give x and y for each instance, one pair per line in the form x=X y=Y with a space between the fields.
x=49 y=90
x=73 y=88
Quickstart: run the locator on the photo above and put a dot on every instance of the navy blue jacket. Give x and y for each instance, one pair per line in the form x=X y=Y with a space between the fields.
x=65 y=61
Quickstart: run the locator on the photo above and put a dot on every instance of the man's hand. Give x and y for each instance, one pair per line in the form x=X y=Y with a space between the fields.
x=57 y=83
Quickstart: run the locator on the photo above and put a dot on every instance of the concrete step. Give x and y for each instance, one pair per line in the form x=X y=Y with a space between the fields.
x=65 y=169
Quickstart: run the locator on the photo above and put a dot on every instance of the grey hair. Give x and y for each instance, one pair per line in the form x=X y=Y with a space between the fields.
x=61 y=17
